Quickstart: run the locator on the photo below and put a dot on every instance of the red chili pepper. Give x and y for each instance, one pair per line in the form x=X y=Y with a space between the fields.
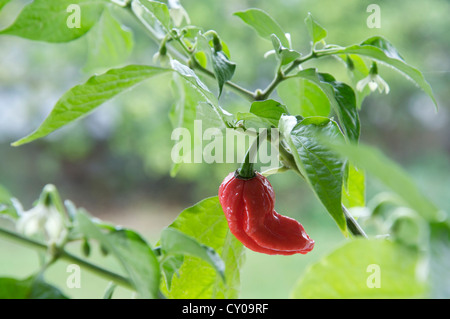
x=248 y=204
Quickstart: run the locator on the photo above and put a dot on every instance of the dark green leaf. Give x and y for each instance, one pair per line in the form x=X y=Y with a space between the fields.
x=133 y=253
x=285 y=55
x=341 y=97
x=315 y=30
x=263 y=24
x=83 y=98
x=321 y=167
x=31 y=288
x=54 y=21
x=219 y=58
x=223 y=68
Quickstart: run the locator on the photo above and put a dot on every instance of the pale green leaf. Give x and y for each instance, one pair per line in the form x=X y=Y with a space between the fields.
x=374 y=162
x=315 y=30
x=175 y=242
x=206 y=222
x=382 y=51
x=303 y=97
x=285 y=55
x=154 y=15
x=367 y=269
x=3 y=3
x=109 y=43
x=183 y=114
x=263 y=24
x=354 y=190
x=56 y=21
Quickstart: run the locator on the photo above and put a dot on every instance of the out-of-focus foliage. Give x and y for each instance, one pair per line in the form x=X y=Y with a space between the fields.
x=124 y=146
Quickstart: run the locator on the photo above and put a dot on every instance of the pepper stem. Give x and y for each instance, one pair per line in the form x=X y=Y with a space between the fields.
x=246 y=171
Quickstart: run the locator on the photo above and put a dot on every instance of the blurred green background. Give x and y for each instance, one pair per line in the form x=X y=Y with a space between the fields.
x=116 y=162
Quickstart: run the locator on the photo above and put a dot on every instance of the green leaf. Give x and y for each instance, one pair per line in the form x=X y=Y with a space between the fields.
x=183 y=113
x=133 y=253
x=270 y=110
x=391 y=174
x=364 y=269
x=321 y=167
x=82 y=99
x=178 y=13
x=6 y=205
x=303 y=97
x=315 y=30
x=223 y=68
x=285 y=55
x=341 y=97
x=109 y=291
x=31 y=288
x=354 y=190
x=219 y=58
x=263 y=24
x=206 y=222
x=3 y=3
x=109 y=43
x=263 y=114
x=203 y=90
x=384 y=45
x=154 y=15
x=170 y=266
x=55 y=21
x=379 y=49
x=357 y=70
x=174 y=242
x=440 y=260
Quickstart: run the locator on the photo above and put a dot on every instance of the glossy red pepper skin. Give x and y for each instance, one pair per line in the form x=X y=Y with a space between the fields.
x=248 y=205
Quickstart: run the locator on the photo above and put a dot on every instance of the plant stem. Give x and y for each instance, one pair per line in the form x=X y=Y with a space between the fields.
x=281 y=76
x=246 y=170
x=64 y=255
x=299 y=61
